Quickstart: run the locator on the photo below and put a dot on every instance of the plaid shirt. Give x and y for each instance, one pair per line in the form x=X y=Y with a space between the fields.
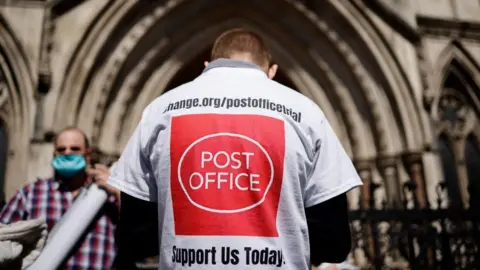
x=48 y=198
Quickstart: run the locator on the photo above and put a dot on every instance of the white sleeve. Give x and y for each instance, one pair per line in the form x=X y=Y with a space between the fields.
x=132 y=173
x=333 y=172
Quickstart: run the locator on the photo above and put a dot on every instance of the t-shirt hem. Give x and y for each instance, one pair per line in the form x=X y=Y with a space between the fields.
x=130 y=191
x=328 y=194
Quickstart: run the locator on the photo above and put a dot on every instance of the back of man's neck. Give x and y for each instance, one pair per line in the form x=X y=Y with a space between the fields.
x=244 y=57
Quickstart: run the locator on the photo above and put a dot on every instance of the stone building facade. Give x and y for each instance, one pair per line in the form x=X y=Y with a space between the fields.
x=398 y=79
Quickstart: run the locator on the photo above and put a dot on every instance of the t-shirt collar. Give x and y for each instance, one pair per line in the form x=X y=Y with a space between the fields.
x=229 y=63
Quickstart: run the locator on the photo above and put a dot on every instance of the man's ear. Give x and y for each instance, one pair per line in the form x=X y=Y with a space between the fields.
x=205 y=64
x=88 y=155
x=272 y=71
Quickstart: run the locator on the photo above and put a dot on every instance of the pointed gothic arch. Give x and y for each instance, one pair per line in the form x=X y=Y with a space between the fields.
x=154 y=19
x=456 y=111
x=16 y=101
x=455 y=58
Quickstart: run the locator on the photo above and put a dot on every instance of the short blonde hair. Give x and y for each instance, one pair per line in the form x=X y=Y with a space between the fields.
x=242 y=41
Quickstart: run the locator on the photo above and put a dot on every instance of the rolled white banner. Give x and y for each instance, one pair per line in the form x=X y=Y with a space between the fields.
x=68 y=230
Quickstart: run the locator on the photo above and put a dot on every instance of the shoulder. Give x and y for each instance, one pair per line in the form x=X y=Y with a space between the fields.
x=41 y=184
x=173 y=94
x=34 y=188
x=159 y=104
x=293 y=95
x=312 y=114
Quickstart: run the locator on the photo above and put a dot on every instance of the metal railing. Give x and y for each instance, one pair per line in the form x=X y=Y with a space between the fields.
x=442 y=239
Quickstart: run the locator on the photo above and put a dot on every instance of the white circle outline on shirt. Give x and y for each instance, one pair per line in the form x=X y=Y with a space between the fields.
x=219 y=210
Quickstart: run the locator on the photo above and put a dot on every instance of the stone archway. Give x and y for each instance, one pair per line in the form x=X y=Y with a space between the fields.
x=16 y=101
x=339 y=61
x=455 y=109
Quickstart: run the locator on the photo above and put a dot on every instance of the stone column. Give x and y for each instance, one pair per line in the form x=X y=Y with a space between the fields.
x=414 y=166
x=388 y=169
x=459 y=148
x=364 y=169
x=367 y=248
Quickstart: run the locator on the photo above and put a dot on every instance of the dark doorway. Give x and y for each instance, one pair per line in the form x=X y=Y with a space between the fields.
x=449 y=171
x=472 y=160
x=196 y=66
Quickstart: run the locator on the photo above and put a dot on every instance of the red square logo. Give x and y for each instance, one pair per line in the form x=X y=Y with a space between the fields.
x=226 y=174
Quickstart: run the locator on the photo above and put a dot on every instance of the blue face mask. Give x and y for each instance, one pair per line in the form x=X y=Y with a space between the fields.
x=69 y=165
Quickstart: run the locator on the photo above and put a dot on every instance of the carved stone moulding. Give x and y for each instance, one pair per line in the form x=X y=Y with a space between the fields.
x=448 y=28
x=3 y=94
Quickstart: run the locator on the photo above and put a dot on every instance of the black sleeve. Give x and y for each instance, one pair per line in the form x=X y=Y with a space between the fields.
x=137 y=232
x=329 y=231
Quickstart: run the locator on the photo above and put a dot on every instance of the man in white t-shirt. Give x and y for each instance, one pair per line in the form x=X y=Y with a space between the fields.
x=246 y=173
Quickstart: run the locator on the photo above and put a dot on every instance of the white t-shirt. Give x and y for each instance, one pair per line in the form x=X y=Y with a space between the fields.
x=232 y=159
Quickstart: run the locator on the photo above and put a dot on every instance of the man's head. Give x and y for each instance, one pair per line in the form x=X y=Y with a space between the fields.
x=244 y=45
x=72 y=152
